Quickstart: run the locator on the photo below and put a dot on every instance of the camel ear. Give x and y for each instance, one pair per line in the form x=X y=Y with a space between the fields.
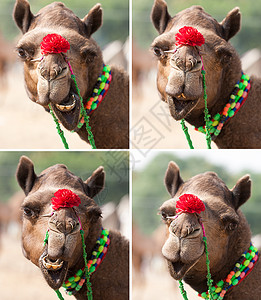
x=22 y=15
x=95 y=183
x=160 y=16
x=93 y=20
x=173 y=179
x=241 y=191
x=25 y=174
x=231 y=24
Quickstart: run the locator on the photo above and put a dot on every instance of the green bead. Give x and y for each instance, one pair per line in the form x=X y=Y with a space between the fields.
x=240 y=85
x=215 y=296
x=78 y=288
x=73 y=285
x=92 y=269
x=252 y=247
x=71 y=279
x=103 y=78
x=79 y=273
x=204 y=295
x=245 y=83
x=231 y=113
x=94 y=106
x=216 y=133
x=247 y=255
x=247 y=77
x=212 y=129
x=220 y=283
x=235 y=282
x=217 y=117
x=107 y=75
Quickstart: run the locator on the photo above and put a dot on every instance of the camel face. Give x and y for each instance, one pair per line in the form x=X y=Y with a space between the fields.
x=48 y=78
x=64 y=247
x=184 y=246
x=179 y=78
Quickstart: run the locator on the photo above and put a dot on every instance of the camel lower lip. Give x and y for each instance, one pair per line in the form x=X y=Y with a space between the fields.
x=67 y=107
x=179 y=109
x=54 y=272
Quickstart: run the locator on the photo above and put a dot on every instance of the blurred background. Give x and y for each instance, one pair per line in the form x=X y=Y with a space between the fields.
x=150 y=276
x=24 y=124
x=150 y=114
x=114 y=201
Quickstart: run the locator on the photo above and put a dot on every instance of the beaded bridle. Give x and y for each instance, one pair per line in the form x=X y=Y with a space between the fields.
x=64 y=198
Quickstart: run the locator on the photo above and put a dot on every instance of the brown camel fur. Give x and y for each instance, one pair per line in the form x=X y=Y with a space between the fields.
x=181 y=85
x=110 y=281
x=49 y=81
x=228 y=233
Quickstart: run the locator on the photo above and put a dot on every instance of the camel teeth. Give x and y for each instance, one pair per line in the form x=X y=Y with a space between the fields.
x=66 y=107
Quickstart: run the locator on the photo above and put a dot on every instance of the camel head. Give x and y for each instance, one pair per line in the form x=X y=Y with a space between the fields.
x=224 y=224
x=48 y=80
x=63 y=250
x=179 y=78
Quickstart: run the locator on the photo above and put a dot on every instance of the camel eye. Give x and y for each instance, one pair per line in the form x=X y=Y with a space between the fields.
x=28 y=212
x=157 y=51
x=21 y=53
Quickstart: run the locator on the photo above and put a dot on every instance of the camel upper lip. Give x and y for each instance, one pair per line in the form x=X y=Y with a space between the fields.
x=180 y=108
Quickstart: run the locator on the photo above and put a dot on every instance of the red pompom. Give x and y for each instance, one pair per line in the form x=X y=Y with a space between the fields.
x=54 y=43
x=189 y=36
x=65 y=198
x=189 y=203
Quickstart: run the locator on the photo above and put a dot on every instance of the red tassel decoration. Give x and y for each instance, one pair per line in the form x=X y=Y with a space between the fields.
x=189 y=203
x=65 y=198
x=54 y=43
x=189 y=36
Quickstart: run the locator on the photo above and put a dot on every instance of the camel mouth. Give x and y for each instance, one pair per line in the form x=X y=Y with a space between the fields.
x=54 y=271
x=178 y=269
x=180 y=108
x=67 y=105
x=68 y=111
x=50 y=264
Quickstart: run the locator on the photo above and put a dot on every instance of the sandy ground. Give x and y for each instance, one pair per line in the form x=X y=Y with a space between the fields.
x=152 y=125
x=157 y=284
x=19 y=278
x=24 y=124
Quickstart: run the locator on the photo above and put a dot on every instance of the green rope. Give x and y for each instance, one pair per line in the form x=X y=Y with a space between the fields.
x=209 y=280
x=185 y=129
x=58 y=293
x=87 y=275
x=86 y=117
x=58 y=127
x=206 y=112
x=182 y=290
x=46 y=237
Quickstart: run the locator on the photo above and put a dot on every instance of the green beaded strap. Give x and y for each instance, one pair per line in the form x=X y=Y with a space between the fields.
x=236 y=100
x=242 y=268
x=75 y=283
